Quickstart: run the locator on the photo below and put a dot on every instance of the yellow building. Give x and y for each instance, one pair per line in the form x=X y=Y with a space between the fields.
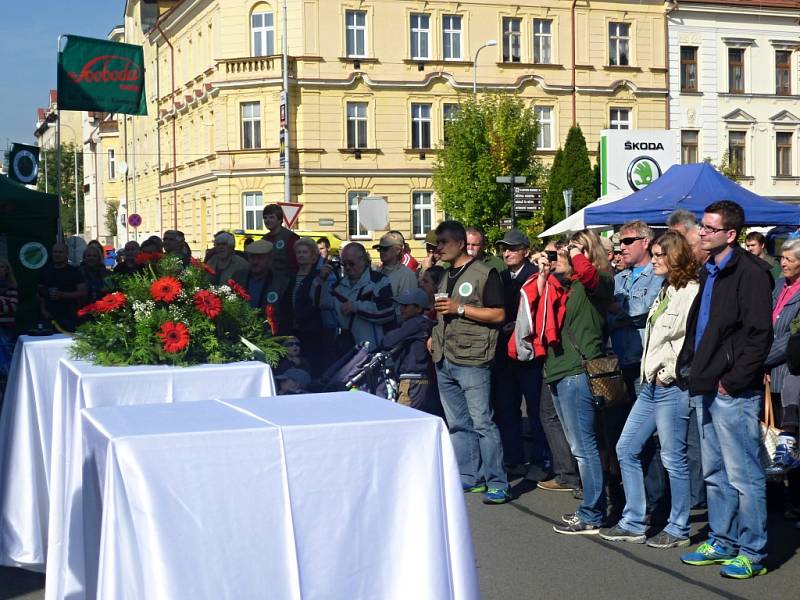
x=370 y=85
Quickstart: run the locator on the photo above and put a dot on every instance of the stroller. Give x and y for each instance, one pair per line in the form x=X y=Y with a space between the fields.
x=364 y=369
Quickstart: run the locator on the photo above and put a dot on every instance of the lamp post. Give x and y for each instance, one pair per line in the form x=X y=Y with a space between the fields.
x=567 y=201
x=475 y=65
x=75 y=161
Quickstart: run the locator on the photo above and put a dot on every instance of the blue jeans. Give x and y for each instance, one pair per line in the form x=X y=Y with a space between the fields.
x=576 y=409
x=697 y=487
x=464 y=392
x=666 y=410
x=730 y=437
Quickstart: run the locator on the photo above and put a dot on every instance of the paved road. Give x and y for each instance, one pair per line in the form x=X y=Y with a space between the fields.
x=519 y=557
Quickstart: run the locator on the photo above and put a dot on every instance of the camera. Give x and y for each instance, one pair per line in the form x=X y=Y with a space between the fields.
x=552 y=255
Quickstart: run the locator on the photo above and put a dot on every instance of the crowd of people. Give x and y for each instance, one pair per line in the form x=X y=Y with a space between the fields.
x=698 y=323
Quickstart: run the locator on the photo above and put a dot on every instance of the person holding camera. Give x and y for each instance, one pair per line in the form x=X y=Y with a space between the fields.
x=583 y=271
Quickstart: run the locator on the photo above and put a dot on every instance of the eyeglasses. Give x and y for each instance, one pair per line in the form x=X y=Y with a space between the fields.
x=630 y=240
x=708 y=229
x=349 y=263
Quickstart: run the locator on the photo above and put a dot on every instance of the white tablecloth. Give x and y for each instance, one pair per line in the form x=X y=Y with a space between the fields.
x=82 y=385
x=316 y=497
x=25 y=432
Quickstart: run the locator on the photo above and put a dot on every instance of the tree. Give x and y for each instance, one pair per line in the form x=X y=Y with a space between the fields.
x=726 y=166
x=493 y=136
x=574 y=171
x=553 y=200
x=110 y=216
x=68 y=157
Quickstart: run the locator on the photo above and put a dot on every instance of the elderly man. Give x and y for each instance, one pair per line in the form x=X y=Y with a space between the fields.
x=685 y=223
x=282 y=240
x=62 y=290
x=128 y=264
x=391 y=248
x=362 y=299
x=470 y=311
x=268 y=290
x=225 y=263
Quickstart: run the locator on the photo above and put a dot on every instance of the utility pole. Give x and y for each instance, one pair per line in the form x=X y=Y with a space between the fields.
x=287 y=181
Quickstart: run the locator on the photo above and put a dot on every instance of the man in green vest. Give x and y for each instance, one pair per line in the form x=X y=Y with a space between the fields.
x=282 y=239
x=470 y=309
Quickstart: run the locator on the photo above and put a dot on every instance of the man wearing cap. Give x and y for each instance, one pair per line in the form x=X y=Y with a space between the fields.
x=268 y=290
x=514 y=379
x=282 y=240
x=432 y=256
x=412 y=361
x=225 y=263
x=293 y=381
x=391 y=247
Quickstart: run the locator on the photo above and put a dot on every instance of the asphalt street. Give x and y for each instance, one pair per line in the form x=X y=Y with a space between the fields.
x=520 y=557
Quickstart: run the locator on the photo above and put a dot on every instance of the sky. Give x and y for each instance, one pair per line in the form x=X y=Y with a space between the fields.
x=28 y=35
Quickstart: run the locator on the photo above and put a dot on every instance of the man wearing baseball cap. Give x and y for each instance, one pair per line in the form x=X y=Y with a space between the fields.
x=268 y=290
x=293 y=381
x=391 y=247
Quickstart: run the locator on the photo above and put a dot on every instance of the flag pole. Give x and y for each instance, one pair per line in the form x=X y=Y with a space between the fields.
x=58 y=147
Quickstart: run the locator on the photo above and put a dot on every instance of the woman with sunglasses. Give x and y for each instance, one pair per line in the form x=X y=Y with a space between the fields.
x=581 y=274
x=661 y=406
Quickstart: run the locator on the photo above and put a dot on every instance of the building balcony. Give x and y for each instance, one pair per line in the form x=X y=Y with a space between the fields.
x=252 y=67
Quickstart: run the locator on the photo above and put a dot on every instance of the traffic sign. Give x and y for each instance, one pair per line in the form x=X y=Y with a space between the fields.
x=291 y=210
x=506 y=223
x=134 y=220
x=527 y=200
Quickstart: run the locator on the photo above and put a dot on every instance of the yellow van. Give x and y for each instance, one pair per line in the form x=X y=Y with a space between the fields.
x=256 y=234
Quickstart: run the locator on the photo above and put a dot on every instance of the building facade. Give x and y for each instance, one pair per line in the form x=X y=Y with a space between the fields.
x=735 y=87
x=371 y=84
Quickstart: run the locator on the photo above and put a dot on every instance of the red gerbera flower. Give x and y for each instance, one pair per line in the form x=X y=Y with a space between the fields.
x=174 y=336
x=239 y=290
x=165 y=289
x=110 y=302
x=207 y=303
x=201 y=265
x=82 y=312
x=145 y=257
x=269 y=310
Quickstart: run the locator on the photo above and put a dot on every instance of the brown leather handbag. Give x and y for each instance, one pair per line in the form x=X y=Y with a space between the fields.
x=605 y=376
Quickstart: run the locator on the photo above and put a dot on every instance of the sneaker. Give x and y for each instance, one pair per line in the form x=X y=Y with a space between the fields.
x=569 y=518
x=474 y=489
x=667 y=540
x=497 y=496
x=577 y=527
x=578 y=494
x=618 y=534
x=741 y=568
x=784 y=457
x=553 y=486
x=706 y=554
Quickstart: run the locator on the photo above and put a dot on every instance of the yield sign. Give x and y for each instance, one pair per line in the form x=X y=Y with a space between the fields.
x=291 y=210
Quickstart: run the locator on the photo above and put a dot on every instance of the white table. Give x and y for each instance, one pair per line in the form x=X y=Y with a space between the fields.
x=314 y=497
x=25 y=432
x=82 y=385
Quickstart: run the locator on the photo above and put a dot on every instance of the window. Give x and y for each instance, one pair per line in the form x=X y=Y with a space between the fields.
x=451 y=40
x=688 y=69
x=420 y=125
x=783 y=154
x=356 y=32
x=783 y=69
x=620 y=118
x=544 y=115
x=423 y=213
x=251 y=125
x=736 y=70
x=619 y=44
x=512 y=40
x=262 y=24
x=112 y=166
x=253 y=210
x=449 y=112
x=689 y=147
x=356 y=124
x=736 y=148
x=354 y=228
x=542 y=41
x=420 y=34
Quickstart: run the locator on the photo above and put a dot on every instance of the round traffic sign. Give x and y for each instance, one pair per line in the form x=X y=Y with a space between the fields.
x=134 y=220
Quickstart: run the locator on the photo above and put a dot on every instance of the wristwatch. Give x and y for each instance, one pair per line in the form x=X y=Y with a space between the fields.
x=461 y=310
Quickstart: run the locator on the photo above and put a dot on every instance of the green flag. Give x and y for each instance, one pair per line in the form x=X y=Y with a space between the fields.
x=101 y=75
x=23 y=163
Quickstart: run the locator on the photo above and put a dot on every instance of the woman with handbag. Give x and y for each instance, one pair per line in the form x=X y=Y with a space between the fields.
x=582 y=270
x=661 y=406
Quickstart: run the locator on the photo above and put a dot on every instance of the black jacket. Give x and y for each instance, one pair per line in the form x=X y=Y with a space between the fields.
x=511 y=295
x=739 y=331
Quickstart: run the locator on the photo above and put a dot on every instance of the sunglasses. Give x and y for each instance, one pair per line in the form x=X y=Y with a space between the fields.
x=289 y=344
x=630 y=240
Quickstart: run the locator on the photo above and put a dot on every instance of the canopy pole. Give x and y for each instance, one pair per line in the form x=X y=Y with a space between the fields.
x=58 y=148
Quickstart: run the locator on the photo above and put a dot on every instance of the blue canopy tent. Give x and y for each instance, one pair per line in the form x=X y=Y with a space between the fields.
x=691 y=187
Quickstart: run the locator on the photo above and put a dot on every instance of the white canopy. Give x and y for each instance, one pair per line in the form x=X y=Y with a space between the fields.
x=575 y=222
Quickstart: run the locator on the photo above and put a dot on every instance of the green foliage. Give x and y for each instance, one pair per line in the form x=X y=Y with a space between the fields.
x=726 y=166
x=110 y=216
x=573 y=171
x=490 y=137
x=128 y=334
x=69 y=154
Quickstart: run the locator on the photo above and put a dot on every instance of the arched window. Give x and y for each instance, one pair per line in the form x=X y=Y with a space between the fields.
x=262 y=27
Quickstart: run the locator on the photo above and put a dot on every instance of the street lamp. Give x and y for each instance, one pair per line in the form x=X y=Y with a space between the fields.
x=75 y=157
x=567 y=201
x=475 y=65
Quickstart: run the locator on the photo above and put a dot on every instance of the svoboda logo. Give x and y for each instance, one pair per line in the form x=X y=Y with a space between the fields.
x=642 y=171
x=109 y=68
x=644 y=146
